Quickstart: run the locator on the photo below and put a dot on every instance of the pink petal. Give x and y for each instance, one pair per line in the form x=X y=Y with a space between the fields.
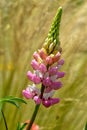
x=49 y=60
x=36 y=79
x=54 y=101
x=37 y=100
x=53 y=70
x=42 y=54
x=30 y=75
x=61 y=62
x=46 y=103
x=35 y=65
x=36 y=56
x=27 y=94
x=60 y=74
x=47 y=81
x=56 y=57
x=56 y=85
x=42 y=68
x=50 y=101
x=33 y=77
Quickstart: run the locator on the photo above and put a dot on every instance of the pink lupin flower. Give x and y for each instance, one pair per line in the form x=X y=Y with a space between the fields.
x=49 y=102
x=35 y=64
x=37 y=57
x=46 y=65
x=54 y=101
x=46 y=103
x=31 y=91
x=49 y=60
x=33 y=77
x=42 y=53
x=56 y=85
x=26 y=93
x=61 y=62
x=46 y=73
x=37 y=99
x=42 y=68
x=47 y=81
x=60 y=74
x=53 y=70
x=56 y=57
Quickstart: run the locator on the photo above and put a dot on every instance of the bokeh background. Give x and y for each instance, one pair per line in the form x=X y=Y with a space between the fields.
x=24 y=25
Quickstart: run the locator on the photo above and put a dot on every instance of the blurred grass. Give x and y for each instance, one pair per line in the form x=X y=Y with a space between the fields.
x=24 y=25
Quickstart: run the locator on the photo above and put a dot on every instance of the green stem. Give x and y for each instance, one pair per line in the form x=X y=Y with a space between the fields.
x=4 y=120
x=36 y=110
x=33 y=117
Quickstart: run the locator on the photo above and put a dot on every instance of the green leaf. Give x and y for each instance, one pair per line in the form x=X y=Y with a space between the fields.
x=85 y=127
x=13 y=100
x=19 y=127
x=23 y=126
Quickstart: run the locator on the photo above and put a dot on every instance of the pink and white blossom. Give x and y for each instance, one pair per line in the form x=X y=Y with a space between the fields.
x=46 y=73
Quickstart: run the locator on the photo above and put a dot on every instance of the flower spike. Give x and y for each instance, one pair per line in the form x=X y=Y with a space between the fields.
x=46 y=65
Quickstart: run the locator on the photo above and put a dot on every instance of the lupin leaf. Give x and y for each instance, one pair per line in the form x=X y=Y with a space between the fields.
x=23 y=126
x=19 y=127
x=13 y=100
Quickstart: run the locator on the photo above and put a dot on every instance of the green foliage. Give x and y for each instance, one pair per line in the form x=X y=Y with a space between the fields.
x=13 y=100
x=21 y=127
x=85 y=127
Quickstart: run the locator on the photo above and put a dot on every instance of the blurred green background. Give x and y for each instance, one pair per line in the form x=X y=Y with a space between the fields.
x=24 y=25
